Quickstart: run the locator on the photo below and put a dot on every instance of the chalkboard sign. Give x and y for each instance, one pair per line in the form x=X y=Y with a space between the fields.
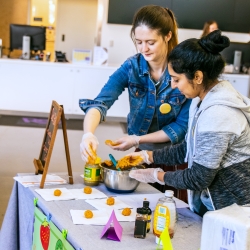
x=41 y=165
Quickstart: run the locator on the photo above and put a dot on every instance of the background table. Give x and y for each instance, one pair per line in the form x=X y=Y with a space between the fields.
x=17 y=228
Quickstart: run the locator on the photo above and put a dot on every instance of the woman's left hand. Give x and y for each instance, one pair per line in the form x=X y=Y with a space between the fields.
x=126 y=143
x=148 y=175
x=143 y=155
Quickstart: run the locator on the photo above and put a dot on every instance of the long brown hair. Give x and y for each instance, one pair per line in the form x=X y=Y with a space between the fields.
x=206 y=27
x=157 y=18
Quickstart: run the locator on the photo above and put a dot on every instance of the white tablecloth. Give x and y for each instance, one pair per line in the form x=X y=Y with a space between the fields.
x=17 y=227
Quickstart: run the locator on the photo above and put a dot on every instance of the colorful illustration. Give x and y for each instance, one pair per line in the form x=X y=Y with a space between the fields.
x=81 y=56
x=59 y=245
x=46 y=236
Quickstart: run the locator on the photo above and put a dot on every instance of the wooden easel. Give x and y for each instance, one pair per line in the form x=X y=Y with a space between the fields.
x=42 y=164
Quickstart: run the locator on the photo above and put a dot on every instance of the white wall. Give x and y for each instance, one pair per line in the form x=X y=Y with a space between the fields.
x=76 y=19
x=123 y=47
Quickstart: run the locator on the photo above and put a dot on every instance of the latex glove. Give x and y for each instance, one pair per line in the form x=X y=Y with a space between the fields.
x=127 y=142
x=148 y=175
x=88 y=146
x=143 y=154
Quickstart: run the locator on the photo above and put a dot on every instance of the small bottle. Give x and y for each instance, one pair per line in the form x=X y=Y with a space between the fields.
x=149 y=212
x=141 y=223
x=165 y=215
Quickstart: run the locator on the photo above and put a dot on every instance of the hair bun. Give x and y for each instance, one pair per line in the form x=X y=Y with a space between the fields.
x=214 y=42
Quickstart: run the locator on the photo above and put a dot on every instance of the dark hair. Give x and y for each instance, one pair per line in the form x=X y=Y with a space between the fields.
x=206 y=27
x=200 y=54
x=156 y=18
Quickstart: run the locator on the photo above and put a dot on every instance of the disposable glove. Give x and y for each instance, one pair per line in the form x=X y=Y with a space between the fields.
x=88 y=146
x=127 y=142
x=148 y=175
x=143 y=154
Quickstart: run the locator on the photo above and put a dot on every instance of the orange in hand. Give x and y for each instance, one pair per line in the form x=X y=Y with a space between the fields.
x=94 y=159
x=111 y=143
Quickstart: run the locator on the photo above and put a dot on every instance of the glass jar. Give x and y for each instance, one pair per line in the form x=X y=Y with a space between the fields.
x=141 y=221
x=92 y=174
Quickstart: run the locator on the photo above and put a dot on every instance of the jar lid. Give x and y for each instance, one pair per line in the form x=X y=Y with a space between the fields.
x=169 y=193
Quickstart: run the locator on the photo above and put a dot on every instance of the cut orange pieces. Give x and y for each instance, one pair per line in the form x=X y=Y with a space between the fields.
x=129 y=161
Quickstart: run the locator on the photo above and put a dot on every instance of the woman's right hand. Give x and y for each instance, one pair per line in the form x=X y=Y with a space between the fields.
x=126 y=142
x=88 y=146
x=149 y=175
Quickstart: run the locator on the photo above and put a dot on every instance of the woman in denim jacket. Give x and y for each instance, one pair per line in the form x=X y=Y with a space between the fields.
x=158 y=113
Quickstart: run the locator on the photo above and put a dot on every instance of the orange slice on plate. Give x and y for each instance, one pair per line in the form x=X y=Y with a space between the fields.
x=88 y=214
x=87 y=190
x=126 y=211
x=57 y=192
x=110 y=201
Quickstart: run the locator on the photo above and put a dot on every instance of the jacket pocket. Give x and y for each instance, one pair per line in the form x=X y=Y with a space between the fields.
x=176 y=99
x=137 y=90
x=137 y=94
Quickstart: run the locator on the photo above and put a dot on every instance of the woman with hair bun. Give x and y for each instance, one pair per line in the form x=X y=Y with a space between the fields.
x=217 y=145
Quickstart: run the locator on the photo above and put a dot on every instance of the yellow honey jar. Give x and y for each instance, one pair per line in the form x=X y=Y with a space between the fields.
x=92 y=174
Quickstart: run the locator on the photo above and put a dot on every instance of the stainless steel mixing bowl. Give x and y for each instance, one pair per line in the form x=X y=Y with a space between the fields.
x=118 y=181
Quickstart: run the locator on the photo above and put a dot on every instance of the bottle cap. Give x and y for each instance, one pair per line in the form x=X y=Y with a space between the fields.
x=146 y=203
x=169 y=193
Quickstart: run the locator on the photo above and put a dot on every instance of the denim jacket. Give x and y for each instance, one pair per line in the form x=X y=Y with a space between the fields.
x=134 y=74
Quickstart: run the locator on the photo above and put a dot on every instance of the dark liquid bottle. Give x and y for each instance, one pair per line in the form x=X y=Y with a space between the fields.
x=149 y=212
x=141 y=223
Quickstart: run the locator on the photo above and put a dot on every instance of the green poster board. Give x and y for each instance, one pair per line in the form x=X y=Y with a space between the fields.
x=46 y=236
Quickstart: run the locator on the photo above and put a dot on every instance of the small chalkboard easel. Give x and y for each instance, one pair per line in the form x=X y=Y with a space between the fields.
x=42 y=164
